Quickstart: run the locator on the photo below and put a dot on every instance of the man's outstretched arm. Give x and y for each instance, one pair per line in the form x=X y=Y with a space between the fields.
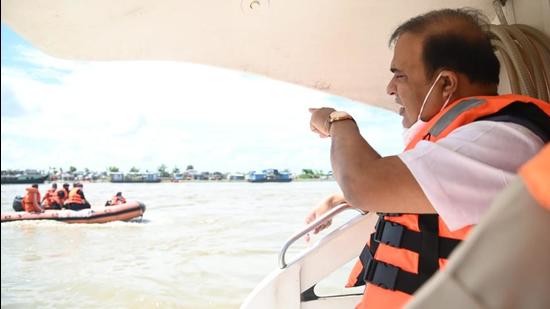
x=367 y=180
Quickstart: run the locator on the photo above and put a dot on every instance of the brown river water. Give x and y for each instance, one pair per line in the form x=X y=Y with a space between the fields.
x=198 y=245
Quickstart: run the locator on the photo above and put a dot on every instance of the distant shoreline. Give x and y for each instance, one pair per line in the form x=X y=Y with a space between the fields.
x=48 y=182
x=189 y=181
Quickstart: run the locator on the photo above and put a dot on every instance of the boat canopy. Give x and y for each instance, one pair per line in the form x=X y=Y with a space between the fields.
x=340 y=47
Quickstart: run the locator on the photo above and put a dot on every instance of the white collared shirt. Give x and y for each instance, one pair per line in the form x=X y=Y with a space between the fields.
x=462 y=173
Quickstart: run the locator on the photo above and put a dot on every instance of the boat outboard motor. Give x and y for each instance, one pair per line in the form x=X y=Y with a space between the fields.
x=18 y=203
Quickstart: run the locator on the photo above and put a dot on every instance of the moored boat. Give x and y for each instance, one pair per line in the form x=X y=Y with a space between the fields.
x=23 y=177
x=135 y=178
x=122 y=212
x=269 y=175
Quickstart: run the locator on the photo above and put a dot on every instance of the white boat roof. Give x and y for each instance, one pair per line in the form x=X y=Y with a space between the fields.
x=340 y=47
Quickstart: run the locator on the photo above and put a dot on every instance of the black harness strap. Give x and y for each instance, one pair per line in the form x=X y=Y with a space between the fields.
x=397 y=235
x=428 y=258
x=392 y=277
x=364 y=258
x=386 y=275
x=528 y=115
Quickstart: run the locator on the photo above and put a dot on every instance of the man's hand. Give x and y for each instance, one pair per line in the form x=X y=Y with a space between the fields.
x=319 y=120
x=324 y=206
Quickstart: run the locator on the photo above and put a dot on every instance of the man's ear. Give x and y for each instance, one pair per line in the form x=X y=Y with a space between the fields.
x=450 y=82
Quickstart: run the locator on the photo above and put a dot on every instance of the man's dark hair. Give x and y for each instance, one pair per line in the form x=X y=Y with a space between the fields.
x=455 y=39
x=34 y=185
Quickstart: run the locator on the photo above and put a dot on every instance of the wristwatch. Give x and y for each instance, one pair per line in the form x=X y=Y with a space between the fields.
x=337 y=116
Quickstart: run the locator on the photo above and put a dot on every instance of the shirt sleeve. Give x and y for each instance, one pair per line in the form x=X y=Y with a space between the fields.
x=463 y=172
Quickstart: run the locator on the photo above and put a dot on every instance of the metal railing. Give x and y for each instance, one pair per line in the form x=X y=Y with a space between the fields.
x=327 y=216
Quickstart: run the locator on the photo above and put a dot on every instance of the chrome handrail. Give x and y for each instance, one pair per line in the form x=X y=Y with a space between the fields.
x=329 y=215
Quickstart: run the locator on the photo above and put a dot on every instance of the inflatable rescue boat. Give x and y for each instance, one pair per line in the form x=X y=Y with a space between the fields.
x=122 y=212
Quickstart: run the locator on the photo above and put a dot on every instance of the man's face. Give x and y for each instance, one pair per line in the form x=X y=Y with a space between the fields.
x=409 y=84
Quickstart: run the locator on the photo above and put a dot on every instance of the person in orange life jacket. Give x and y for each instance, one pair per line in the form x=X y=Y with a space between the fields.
x=31 y=200
x=62 y=194
x=49 y=199
x=57 y=201
x=483 y=272
x=76 y=199
x=50 y=192
x=459 y=133
x=116 y=200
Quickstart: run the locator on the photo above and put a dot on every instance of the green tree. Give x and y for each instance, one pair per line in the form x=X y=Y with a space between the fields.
x=72 y=170
x=176 y=170
x=307 y=174
x=134 y=170
x=189 y=167
x=113 y=169
x=163 y=171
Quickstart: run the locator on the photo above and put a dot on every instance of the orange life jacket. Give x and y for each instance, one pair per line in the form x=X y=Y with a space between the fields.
x=48 y=198
x=74 y=197
x=407 y=249
x=536 y=176
x=31 y=200
x=60 y=200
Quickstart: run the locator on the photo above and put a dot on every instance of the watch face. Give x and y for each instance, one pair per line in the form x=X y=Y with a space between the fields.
x=337 y=115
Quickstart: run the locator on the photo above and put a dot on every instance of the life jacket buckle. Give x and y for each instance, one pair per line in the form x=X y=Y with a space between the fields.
x=389 y=233
x=381 y=274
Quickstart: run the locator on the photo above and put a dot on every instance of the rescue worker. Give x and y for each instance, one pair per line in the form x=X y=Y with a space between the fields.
x=57 y=200
x=48 y=199
x=116 y=200
x=458 y=137
x=31 y=200
x=76 y=199
x=484 y=271
x=62 y=194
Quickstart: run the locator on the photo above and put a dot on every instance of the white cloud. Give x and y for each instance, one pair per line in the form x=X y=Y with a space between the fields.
x=98 y=114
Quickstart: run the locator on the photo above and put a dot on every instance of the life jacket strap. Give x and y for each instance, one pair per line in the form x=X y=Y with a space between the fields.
x=528 y=115
x=397 y=235
x=427 y=243
x=390 y=277
x=428 y=257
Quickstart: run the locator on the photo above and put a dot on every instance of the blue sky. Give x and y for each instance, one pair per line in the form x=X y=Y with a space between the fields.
x=60 y=113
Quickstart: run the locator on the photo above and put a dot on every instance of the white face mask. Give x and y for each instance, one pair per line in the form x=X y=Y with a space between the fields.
x=409 y=133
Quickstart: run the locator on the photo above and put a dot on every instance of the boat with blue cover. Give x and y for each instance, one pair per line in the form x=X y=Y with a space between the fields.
x=269 y=175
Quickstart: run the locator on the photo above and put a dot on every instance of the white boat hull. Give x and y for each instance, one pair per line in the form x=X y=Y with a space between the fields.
x=283 y=287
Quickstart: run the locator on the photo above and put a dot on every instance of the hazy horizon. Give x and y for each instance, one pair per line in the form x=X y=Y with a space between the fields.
x=61 y=113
